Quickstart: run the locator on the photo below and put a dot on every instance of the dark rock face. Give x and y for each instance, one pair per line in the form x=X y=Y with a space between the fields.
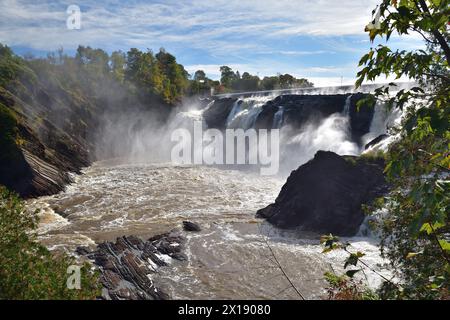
x=217 y=113
x=300 y=108
x=325 y=194
x=191 y=226
x=128 y=265
x=54 y=129
x=361 y=119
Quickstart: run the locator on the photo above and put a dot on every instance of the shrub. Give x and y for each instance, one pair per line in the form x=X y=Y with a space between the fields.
x=27 y=269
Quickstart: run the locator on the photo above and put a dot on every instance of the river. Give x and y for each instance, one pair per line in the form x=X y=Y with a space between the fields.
x=233 y=257
x=228 y=259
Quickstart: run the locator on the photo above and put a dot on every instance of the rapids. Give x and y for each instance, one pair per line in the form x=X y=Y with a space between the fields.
x=230 y=257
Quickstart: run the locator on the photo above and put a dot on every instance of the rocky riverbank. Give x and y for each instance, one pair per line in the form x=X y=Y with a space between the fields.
x=129 y=264
x=48 y=132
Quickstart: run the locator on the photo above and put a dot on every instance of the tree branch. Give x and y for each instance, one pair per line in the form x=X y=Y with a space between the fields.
x=439 y=37
x=282 y=270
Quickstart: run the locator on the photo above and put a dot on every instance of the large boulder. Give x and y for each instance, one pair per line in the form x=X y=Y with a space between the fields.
x=325 y=195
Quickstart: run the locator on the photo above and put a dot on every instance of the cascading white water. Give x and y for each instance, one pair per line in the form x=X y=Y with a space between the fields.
x=236 y=109
x=246 y=111
x=225 y=259
x=278 y=118
x=382 y=122
x=346 y=111
x=330 y=134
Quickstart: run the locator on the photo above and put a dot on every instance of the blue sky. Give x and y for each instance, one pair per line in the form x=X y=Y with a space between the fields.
x=321 y=40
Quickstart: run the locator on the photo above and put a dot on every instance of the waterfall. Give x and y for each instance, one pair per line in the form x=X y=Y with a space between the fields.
x=329 y=134
x=383 y=120
x=378 y=124
x=346 y=111
x=236 y=109
x=278 y=118
x=246 y=111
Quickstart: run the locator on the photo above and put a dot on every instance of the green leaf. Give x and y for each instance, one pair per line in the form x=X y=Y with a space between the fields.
x=429 y=228
x=445 y=245
x=412 y=255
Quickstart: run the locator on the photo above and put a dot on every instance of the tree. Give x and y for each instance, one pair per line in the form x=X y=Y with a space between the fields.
x=227 y=76
x=28 y=270
x=247 y=82
x=270 y=83
x=286 y=81
x=175 y=73
x=96 y=60
x=199 y=75
x=118 y=64
x=143 y=69
x=415 y=233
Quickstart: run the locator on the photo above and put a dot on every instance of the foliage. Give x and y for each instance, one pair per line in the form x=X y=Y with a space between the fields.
x=8 y=135
x=416 y=232
x=233 y=81
x=150 y=76
x=28 y=269
x=202 y=85
x=346 y=288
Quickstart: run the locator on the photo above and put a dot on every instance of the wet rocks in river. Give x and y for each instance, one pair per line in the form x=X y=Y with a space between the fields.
x=375 y=141
x=191 y=226
x=325 y=195
x=127 y=265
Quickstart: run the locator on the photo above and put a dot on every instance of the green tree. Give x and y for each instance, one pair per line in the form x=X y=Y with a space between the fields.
x=247 y=82
x=199 y=75
x=227 y=76
x=118 y=64
x=270 y=83
x=415 y=233
x=95 y=60
x=28 y=270
x=176 y=75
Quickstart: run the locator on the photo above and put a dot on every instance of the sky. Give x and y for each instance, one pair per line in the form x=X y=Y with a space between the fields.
x=321 y=40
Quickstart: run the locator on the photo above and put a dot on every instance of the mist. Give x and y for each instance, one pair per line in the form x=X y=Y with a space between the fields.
x=138 y=135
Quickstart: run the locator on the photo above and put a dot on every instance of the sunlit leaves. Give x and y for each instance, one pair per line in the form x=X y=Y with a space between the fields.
x=416 y=231
x=28 y=270
x=330 y=243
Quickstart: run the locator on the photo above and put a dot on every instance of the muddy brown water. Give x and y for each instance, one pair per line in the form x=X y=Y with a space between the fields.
x=228 y=259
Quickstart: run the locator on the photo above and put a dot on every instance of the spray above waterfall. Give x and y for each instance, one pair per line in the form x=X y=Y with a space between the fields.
x=305 y=127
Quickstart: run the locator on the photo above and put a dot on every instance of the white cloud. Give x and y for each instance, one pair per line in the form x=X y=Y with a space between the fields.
x=305 y=53
x=196 y=23
x=235 y=31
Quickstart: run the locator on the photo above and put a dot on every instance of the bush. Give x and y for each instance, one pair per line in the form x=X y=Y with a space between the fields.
x=27 y=269
x=345 y=288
